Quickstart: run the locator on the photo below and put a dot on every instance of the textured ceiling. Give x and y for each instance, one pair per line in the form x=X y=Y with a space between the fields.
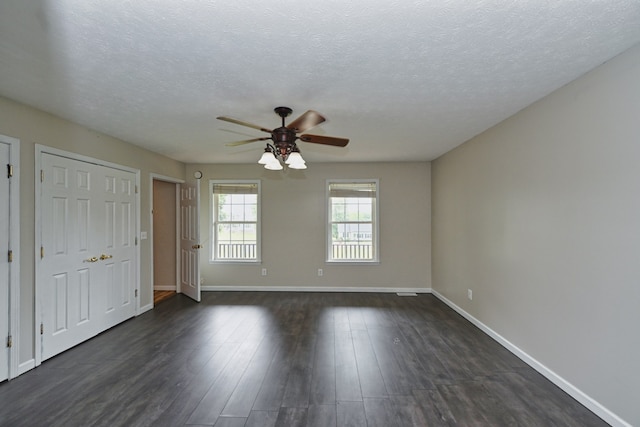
x=404 y=80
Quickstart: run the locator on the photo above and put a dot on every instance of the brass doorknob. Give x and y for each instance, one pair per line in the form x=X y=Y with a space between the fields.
x=92 y=259
x=196 y=247
x=103 y=257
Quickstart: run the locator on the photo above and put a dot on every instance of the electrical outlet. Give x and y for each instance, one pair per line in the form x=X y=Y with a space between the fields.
x=320 y=272
x=264 y=272
x=469 y=294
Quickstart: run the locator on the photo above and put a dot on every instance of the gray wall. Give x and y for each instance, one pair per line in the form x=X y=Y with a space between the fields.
x=539 y=216
x=32 y=127
x=293 y=227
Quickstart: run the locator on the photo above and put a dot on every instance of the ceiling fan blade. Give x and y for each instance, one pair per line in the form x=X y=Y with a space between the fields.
x=306 y=121
x=326 y=140
x=241 y=123
x=246 y=141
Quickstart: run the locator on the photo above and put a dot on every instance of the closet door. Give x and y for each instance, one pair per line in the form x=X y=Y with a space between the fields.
x=117 y=254
x=88 y=259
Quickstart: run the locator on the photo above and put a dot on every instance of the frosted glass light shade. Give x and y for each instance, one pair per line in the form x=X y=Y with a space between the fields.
x=274 y=165
x=298 y=166
x=267 y=157
x=294 y=158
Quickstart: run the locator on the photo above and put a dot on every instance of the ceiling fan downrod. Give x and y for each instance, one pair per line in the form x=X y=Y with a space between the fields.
x=284 y=138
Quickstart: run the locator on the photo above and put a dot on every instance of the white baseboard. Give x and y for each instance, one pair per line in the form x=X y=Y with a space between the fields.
x=565 y=385
x=26 y=366
x=312 y=289
x=165 y=288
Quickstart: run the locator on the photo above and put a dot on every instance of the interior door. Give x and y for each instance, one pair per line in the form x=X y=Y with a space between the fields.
x=190 y=239
x=4 y=263
x=117 y=254
x=69 y=254
x=86 y=277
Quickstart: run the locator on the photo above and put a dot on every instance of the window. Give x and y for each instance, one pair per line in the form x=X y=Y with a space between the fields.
x=235 y=221
x=353 y=225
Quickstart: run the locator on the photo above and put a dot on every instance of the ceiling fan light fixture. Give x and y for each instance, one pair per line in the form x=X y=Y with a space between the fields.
x=284 y=139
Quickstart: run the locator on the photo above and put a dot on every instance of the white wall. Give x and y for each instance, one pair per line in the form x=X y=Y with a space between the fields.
x=293 y=227
x=540 y=216
x=32 y=127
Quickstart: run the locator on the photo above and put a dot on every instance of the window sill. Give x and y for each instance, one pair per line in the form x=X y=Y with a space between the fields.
x=352 y=262
x=236 y=262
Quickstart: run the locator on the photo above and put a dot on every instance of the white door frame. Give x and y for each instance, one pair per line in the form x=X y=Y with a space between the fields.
x=14 y=240
x=39 y=151
x=177 y=182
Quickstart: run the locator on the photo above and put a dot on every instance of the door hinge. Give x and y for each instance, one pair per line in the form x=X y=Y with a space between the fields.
x=136 y=292
x=10 y=256
x=136 y=240
x=41 y=252
x=41 y=175
x=41 y=329
x=9 y=341
x=136 y=187
x=9 y=171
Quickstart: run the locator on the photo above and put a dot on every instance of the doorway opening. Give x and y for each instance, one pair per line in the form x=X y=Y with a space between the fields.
x=165 y=217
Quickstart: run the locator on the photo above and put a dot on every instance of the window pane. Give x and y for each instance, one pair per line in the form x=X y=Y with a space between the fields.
x=341 y=232
x=237 y=234
x=365 y=211
x=237 y=212
x=337 y=211
x=236 y=198
x=364 y=232
x=352 y=212
x=250 y=233
x=224 y=232
x=224 y=211
x=251 y=212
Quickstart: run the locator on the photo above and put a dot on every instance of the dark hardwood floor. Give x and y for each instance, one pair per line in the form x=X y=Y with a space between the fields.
x=290 y=359
x=159 y=296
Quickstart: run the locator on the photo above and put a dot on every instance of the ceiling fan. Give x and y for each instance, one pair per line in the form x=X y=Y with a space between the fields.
x=284 y=138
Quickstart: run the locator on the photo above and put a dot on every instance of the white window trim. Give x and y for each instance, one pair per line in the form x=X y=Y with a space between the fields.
x=376 y=224
x=212 y=230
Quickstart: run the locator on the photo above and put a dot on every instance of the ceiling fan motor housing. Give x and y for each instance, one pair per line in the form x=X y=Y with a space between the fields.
x=284 y=140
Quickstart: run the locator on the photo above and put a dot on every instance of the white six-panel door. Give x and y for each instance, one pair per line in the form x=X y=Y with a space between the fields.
x=118 y=256
x=88 y=258
x=190 y=239
x=4 y=263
